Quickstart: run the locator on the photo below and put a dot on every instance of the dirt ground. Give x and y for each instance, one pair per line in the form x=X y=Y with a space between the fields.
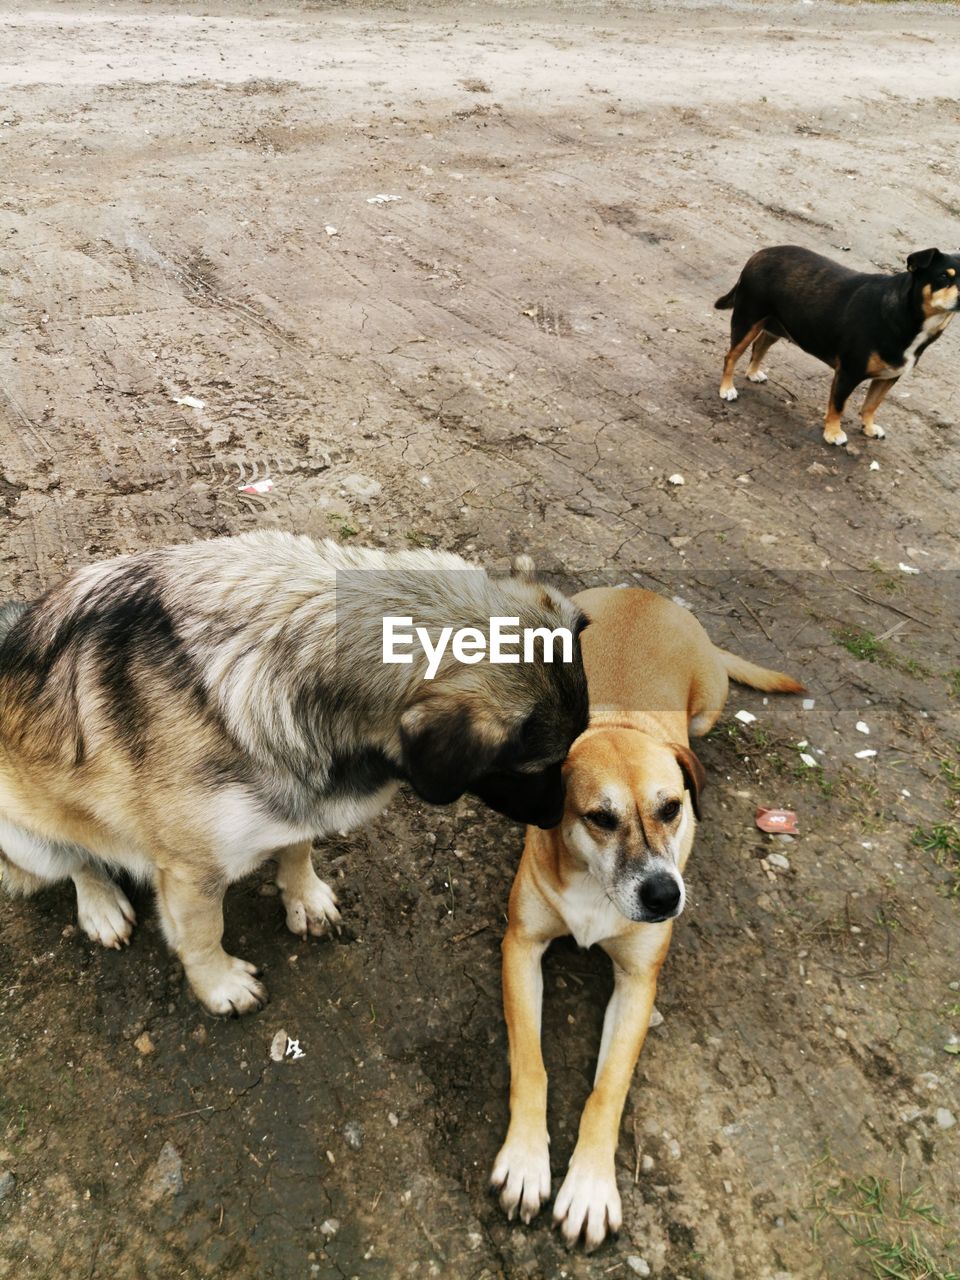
x=513 y=354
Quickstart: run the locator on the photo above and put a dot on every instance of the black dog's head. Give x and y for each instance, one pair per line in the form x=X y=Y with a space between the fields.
x=502 y=732
x=936 y=281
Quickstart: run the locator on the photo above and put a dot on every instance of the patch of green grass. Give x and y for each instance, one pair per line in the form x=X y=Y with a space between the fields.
x=862 y=644
x=344 y=528
x=950 y=773
x=901 y=1235
x=728 y=730
x=771 y=755
x=418 y=539
x=912 y=667
x=953 y=682
x=884 y=579
x=943 y=841
x=865 y=646
x=816 y=778
x=14 y=1119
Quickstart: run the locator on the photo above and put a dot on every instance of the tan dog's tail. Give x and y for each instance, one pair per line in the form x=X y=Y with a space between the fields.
x=745 y=672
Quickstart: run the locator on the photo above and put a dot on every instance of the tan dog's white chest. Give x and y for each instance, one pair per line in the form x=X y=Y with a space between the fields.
x=587 y=911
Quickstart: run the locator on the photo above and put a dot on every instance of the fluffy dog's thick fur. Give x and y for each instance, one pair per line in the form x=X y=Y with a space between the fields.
x=183 y=714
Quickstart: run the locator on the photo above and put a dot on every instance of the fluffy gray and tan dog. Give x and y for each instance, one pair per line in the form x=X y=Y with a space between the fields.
x=611 y=873
x=185 y=714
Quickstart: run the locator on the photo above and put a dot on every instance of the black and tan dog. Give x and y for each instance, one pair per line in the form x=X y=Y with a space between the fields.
x=864 y=325
x=185 y=714
x=610 y=873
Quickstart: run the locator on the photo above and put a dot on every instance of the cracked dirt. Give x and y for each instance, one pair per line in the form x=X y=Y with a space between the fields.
x=513 y=356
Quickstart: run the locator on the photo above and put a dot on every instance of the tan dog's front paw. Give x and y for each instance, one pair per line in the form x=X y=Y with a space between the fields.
x=588 y=1203
x=521 y=1173
x=103 y=911
x=227 y=986
x=311 y=911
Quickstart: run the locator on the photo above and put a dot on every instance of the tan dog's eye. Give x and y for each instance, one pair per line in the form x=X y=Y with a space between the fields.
x=602 y=818
x=669 y=810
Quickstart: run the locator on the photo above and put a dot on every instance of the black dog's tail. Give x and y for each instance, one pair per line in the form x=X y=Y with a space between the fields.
x=728 y=299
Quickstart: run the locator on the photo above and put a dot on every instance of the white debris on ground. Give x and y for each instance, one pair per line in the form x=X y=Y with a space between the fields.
x=165 y=1178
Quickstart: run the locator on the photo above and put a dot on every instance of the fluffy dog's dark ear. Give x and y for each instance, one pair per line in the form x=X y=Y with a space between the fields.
x=694 y=776
x=445 y=746
x=922 y=258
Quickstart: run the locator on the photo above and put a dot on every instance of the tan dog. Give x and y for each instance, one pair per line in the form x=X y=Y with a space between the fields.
x=610 y=873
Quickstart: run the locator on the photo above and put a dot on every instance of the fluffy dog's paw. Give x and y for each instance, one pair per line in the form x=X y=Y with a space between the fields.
x=228 y=987
x=838 y=439
x=874 y=432
x=588 y=1203
x=730 y=394
x=103 y=911
x=312 y=911
x=759 y=376
x=521 y=1174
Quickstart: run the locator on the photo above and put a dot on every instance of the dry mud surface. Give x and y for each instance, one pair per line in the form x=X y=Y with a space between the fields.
x=514 y=355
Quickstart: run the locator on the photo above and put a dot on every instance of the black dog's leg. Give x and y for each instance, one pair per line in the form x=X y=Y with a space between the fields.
x=876 y=392
x=742 y=333
x=760 y=349
x=843 y=383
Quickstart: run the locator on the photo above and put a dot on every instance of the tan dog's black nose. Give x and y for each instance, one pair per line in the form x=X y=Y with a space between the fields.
x=660 y=895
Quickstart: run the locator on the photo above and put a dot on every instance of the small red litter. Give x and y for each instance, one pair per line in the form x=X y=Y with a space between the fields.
x=780 y=821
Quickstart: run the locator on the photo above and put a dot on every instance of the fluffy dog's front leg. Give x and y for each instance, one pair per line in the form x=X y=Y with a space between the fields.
x=588 y=1203
x=310 y=903
x=521 y=1172
x=191 y=910
x=103 y=910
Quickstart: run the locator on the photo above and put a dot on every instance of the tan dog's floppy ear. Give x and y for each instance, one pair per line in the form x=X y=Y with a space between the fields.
x=694 y=775
x=922 y=258
x=445 y=746
x=523 y=568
